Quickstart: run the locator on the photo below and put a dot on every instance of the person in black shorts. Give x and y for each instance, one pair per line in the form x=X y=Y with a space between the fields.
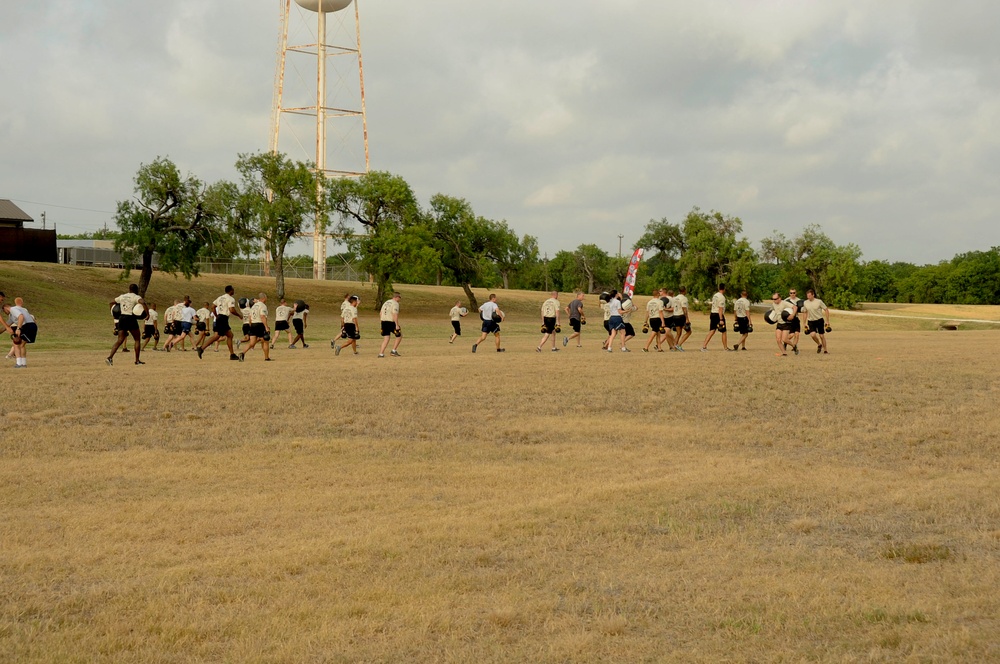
x=576 y=319
x=128 y=324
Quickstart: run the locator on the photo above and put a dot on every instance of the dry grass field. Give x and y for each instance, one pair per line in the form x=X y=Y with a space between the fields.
x=449 y=507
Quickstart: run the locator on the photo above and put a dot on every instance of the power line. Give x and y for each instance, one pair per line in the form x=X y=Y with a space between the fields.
x=64 y=207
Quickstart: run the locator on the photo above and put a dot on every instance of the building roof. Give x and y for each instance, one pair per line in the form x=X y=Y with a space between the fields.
x=10 y=212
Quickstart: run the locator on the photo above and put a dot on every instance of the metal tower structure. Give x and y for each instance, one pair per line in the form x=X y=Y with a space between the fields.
x=323 y=52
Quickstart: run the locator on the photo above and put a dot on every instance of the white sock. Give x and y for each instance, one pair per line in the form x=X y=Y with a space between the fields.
x=22 y=361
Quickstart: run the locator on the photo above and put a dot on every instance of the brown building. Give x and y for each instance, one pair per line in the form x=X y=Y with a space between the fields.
x=18 y=243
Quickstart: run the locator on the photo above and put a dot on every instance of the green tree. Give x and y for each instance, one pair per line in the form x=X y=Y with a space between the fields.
x=278 y=199
x=594 y=267
x=714 y=254
x=172 y=216
x=393 y=233
x=813 y=260
x=461 y=240
x=509 y=253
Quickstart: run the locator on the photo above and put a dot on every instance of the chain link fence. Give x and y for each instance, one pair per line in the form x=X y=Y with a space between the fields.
x=345 y=272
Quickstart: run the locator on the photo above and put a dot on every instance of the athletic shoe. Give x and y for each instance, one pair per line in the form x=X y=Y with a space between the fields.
x=474 y=347
x=538 y=349
x=625 y=350
x=242 y=356
x=730 y=350
x=565 y=341
x=167 y=348
x=305 y=345
x=501 y=350
x=609 y=350
x=333 y=344
x=336 y=350
x=139 y=362
x=555 y=350
x=744 y=348
x=645 y=350
x=704 y=350
x=291 y=345
x=826 y=352
x=233 y=356
x=819 y=349
x=795 y=349
x=451 y=341
x=381 y=355
x=679 y=348
x=267 y=359
x=736 y=346
x=395 y=353
x=109 y=362
x=200 y=351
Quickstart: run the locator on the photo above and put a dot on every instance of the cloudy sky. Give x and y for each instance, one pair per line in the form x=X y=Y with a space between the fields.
x=574 y=120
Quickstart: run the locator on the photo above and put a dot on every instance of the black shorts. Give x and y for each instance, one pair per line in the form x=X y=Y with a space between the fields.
x=246 y=329
x=457 y=326
x=29 y=332
x=575 y=324
x=388 y=328
x=549 y=324
x=654 y=324
x=817 y=327
x=717 y=322
x=491 y=327
x=299 y=327
x=607 y=326
x=201 y=326
x=629 y=330
x=351 y=330
x=786 y=327
x=678 y=322
x=796 y=324
x=742 y=325
x=222 y=325
x=128 y=323
x=147 y=331
x=257 y=330
x=281 y=326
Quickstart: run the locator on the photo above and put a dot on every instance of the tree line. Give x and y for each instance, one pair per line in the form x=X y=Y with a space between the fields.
x=396 y=240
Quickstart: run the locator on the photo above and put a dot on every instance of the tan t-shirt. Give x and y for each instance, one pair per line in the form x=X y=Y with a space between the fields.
x=223 y=304
x=680 y=305
x=390 y=308
x=246 y=315
x=742 y=307
x=127 y=302
x=455 y=313
x=203 y=314
x=349 y=313
x=282 y=311
x=550 y=307
x=606 y=308
x=628 y=308
x=814 y=309
x=152 y=317
x=654 y=308
x=258 y=312
x=719 y=304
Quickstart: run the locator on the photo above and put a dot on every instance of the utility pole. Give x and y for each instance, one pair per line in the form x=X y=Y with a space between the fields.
x=620 y=245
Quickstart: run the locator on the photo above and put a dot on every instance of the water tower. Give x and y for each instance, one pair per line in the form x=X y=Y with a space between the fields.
x=301 y=110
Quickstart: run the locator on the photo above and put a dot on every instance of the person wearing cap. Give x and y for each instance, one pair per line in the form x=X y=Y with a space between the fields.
x=742 y=310
x=491 y=316
x=128 y=324
x=550 y=321
x=224 y=307
x=259 y=329
x=349 y=317
x=282 y=316
x=23 y=330
x=389 y=320
x=456 y=316
x=576 y=319
x=817 y=319
x=717 y=319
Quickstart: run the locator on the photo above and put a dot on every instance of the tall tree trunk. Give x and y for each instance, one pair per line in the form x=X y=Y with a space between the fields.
x=146 y=273
x=473 y=304
x=506 y=280
x=279 y=269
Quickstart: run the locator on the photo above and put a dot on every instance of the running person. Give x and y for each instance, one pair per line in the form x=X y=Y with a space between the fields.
x=300 y=321
x=128 y=324
x=224 y=307
x=23 y=330
x=742 y=310
x=681 y=320
x=796 y=322
x=245 y=304
x=783 y=312
x=151 y=329
x=655 y=320
x=349 y=318
x=628 y=308
x=389 y=319
x=717 y=319
x=259 y=329
x=817 y=319
x=201 y=318
x=615 y=322
x=491 y=316
x=282 y=314
x=456 y=316
x=550 y=321
x=576 y=319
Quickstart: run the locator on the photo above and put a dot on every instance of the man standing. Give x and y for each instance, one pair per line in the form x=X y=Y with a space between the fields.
x=717 y=319
x=282 y=314
x=491 y=316
x=681 y=321
x=23 y=330
x=550 y=321
x=456 y=316
x=655 y=321
x=300 y=321
x=151 y=328
x=817 y=319
x=225 y=307
x=576 y=317
x=127 y=322
x=742 y=310
x=349 y=318
x=389 y=319
x=259 y=330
